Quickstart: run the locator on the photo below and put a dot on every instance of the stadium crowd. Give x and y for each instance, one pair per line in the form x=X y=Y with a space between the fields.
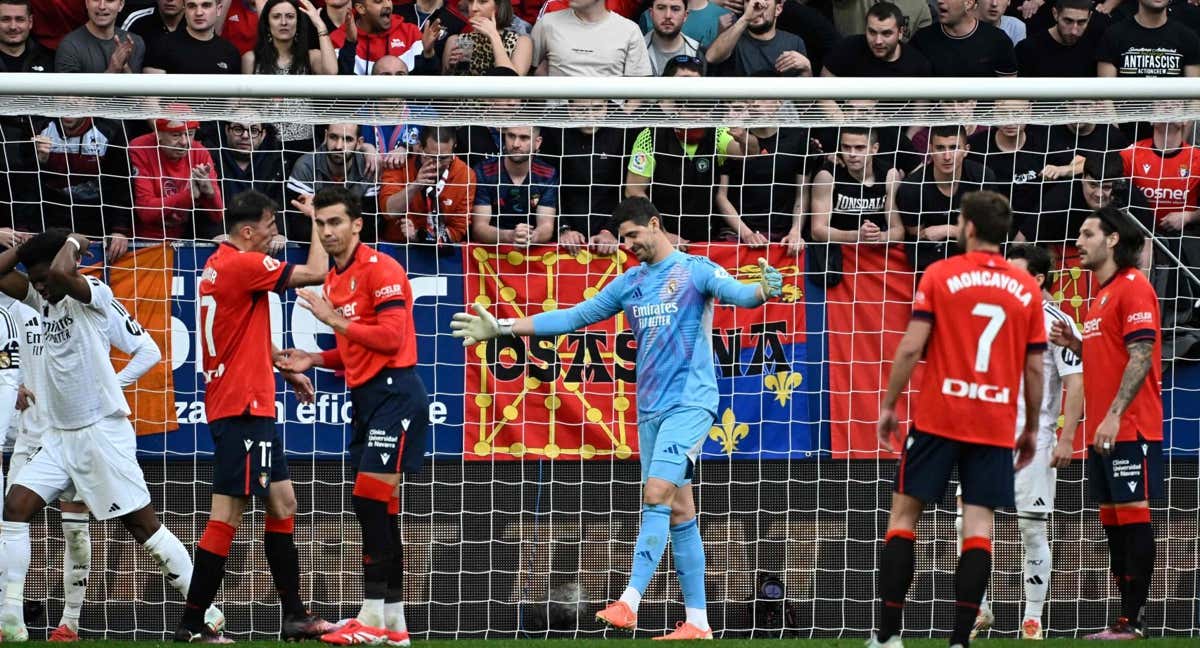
x=438 y=185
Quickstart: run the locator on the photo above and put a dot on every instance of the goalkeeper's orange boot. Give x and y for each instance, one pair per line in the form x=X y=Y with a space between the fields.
x=685 y=631
x=64 y=634
x=618 y=615
x=355 y=633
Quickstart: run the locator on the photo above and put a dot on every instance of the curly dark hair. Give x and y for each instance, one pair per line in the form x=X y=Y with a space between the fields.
x=42 y=248
x=266 y=58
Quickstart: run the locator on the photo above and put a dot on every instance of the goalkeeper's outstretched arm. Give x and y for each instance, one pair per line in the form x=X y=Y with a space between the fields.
x=483 y=326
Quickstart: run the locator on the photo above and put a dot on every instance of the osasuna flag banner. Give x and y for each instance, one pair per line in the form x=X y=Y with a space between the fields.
x=141 y=282
x=867 y=312
x=574 y=397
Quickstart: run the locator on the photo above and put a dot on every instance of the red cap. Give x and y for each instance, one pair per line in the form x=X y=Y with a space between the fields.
x=164 y=125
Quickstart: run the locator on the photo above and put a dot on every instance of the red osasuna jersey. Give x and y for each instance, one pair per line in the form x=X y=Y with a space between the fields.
x=235 y=331
x=370 y=283
x=1124 y=310
x=986 y=316
x=1170 y=180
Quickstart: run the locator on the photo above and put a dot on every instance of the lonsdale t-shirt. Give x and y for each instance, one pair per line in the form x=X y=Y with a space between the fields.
x=1137 y=51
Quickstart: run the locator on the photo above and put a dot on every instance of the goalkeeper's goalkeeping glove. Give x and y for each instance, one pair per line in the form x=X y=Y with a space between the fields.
x=480 y=327
x=770 y=280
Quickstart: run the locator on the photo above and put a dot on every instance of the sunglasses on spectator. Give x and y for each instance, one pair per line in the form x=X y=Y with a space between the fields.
x=684 y=59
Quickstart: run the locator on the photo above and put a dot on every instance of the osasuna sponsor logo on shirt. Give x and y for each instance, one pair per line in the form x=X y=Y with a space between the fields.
x=394 y=290
x=1164 y=194
x=1092 y=326
x=1140 y=317
x=349 y=311
x=976 y=391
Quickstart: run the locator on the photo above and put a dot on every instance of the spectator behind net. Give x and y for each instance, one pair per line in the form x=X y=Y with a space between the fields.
x=338 y=163
x=517 y=198
x=759 y=193
x=249 y=160
x=176 y=193
x=428 y=199
x=85 y=179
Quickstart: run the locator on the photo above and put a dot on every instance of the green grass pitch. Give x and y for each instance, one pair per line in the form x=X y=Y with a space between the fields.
x=1160 y=642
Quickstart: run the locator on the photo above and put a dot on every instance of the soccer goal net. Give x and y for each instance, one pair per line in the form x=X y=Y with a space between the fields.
x=499 y=191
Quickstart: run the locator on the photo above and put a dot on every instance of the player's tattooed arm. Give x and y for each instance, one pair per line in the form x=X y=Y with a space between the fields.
x=64 y=269
x=1140 y=357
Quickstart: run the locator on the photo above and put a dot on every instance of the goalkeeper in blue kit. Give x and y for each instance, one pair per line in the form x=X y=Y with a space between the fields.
x=668 y=300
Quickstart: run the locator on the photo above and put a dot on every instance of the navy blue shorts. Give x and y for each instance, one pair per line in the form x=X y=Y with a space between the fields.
x=390 y=423
x=1132 y=472
x=928 y=460
x=248 y=456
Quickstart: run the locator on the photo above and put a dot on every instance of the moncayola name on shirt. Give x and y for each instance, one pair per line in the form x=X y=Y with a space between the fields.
x=989 y=279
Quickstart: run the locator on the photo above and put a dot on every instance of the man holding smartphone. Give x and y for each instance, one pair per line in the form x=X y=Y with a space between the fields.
x=428 y=199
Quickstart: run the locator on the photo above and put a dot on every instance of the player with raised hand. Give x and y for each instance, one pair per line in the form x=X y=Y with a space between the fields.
x=89 y=443
x=124 y=333
x=978 y=322
x=239 y=399
x=669 y=302
x=368 y=303
x=1124 y=412
x=1036 y=483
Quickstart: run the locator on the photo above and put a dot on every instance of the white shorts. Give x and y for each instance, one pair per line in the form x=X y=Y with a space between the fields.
x=22 y=452
x=99 y=461
x=1035 y=483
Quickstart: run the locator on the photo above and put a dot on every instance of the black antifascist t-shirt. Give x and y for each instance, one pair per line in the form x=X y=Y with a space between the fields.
x=1039 y=55
x=984 y=52
x=1140 y=52
x=852 y=57
x=1017 y=173
x=922 y=204
x=180 y=53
